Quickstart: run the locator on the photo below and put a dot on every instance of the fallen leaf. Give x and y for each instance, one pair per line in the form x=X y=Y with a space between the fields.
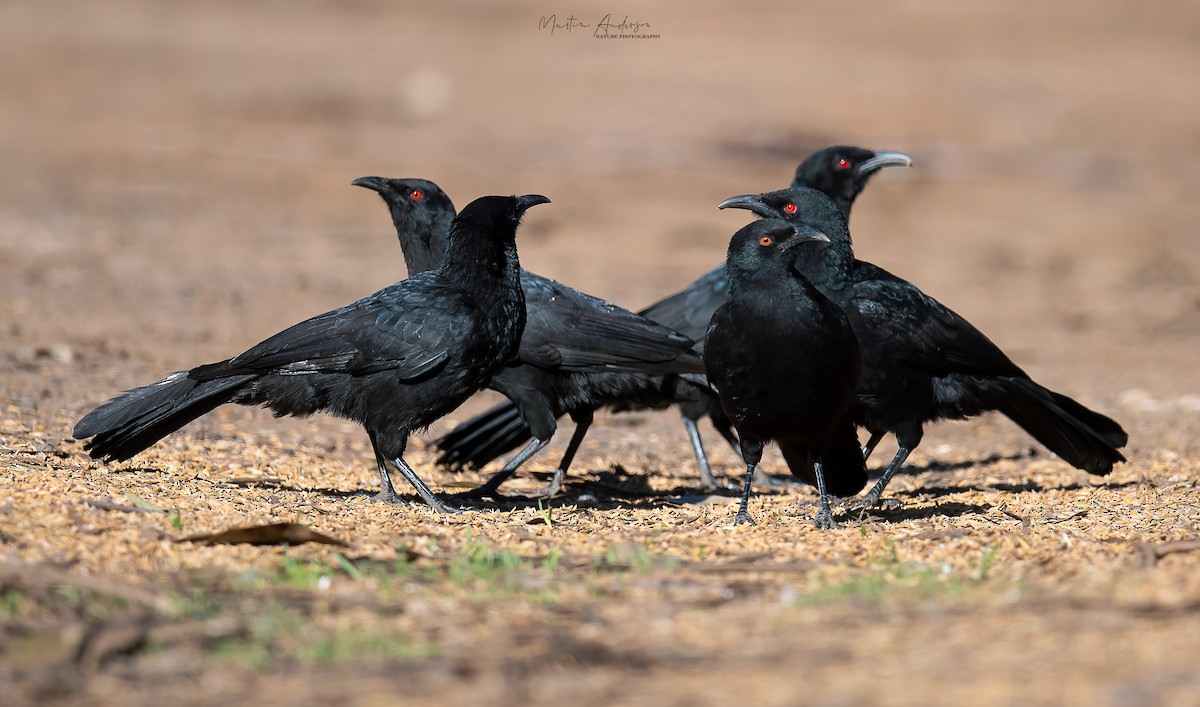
x=273 y=534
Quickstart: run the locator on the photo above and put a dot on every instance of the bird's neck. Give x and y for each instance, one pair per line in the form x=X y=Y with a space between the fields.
x=428 y=259
x=424 y=246
x=759 y=291
x=488 y=268
x=826 y=265
x=844 y=201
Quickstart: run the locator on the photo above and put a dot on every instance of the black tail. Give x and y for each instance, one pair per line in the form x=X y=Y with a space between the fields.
x=1085 y=439
x=484 y=437
x=131 y=422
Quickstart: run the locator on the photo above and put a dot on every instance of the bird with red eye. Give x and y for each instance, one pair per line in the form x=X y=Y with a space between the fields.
x=580 y=352
x=418 y=206
x=841 y=171
x=789 y=209
x=766 y=241
x=485 y=437
x=800 y=400
x=921 y=361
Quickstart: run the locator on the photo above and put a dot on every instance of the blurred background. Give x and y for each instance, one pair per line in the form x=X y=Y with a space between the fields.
x=176 y=181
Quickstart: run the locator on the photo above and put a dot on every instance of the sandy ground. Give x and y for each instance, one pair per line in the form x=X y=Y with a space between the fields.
x=176 y=187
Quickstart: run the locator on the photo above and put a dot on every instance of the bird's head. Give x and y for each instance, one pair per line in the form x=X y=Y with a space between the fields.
x=797 y=205
x=760 y=247
x=498 y=214
x=413 y=202
x=842 y=171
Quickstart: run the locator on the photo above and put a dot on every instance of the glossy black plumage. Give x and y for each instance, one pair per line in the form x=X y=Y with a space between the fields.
x=577 y=351
x=786 y=363
x=839 y=171
x=922 y=361
x=394 y=361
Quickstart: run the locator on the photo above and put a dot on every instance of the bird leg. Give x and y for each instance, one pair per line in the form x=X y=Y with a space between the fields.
x=872 y=498
x=743 y=514
x=387 y=493
x=824 y=519
x=492 y=485
x=751 y=451
x=583 y=420
x=761 y=478
x=876 y=438
x=707 y=480
x=422 y=490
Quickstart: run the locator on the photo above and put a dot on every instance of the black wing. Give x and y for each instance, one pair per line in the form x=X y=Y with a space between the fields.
x=690 y=310
x=570 y=330
x=905 y=324
x=410 y=328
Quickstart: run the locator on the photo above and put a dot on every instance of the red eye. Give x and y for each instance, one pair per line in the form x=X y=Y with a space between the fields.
x=790 y=208
x=416 y=194
x=766 y=241
x=512 y=214
x=843 y=163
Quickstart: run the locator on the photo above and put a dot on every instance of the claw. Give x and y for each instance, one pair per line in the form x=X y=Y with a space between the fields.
x=744 y=518
x=553 y=488
x=446 y=509
x=824 y=520
x=390 y=496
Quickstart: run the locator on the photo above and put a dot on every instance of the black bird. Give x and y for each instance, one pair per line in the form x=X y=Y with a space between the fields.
x=785 y=362
x=921 y=361
x=394 y=361
x=576 y=353
x=841 y=172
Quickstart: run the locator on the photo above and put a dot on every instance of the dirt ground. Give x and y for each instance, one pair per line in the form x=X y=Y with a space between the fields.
x=176 y=187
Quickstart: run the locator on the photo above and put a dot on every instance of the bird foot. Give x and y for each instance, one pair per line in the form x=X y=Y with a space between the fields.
x=436 y=504
x=717 y=487
x=709 y=482
x=824 y=519
x=744 y=518
x=551 y=489
x=390 y=496
x=442 y=508
x=873 y=500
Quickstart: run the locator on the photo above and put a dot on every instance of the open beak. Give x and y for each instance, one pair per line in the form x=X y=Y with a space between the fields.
x=885 y=159
x=750 y=202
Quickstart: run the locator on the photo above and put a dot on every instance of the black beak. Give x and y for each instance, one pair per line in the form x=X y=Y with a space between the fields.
x=378 y=184
x=531 y=200
x=750 y=202
x=884 y=158
x=803 y=234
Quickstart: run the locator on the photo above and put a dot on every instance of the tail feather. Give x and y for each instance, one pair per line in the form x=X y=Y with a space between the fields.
x=1104 y=427
x=483 y=438
x=131 y=422
x=1083 y=438
x=132 y=404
